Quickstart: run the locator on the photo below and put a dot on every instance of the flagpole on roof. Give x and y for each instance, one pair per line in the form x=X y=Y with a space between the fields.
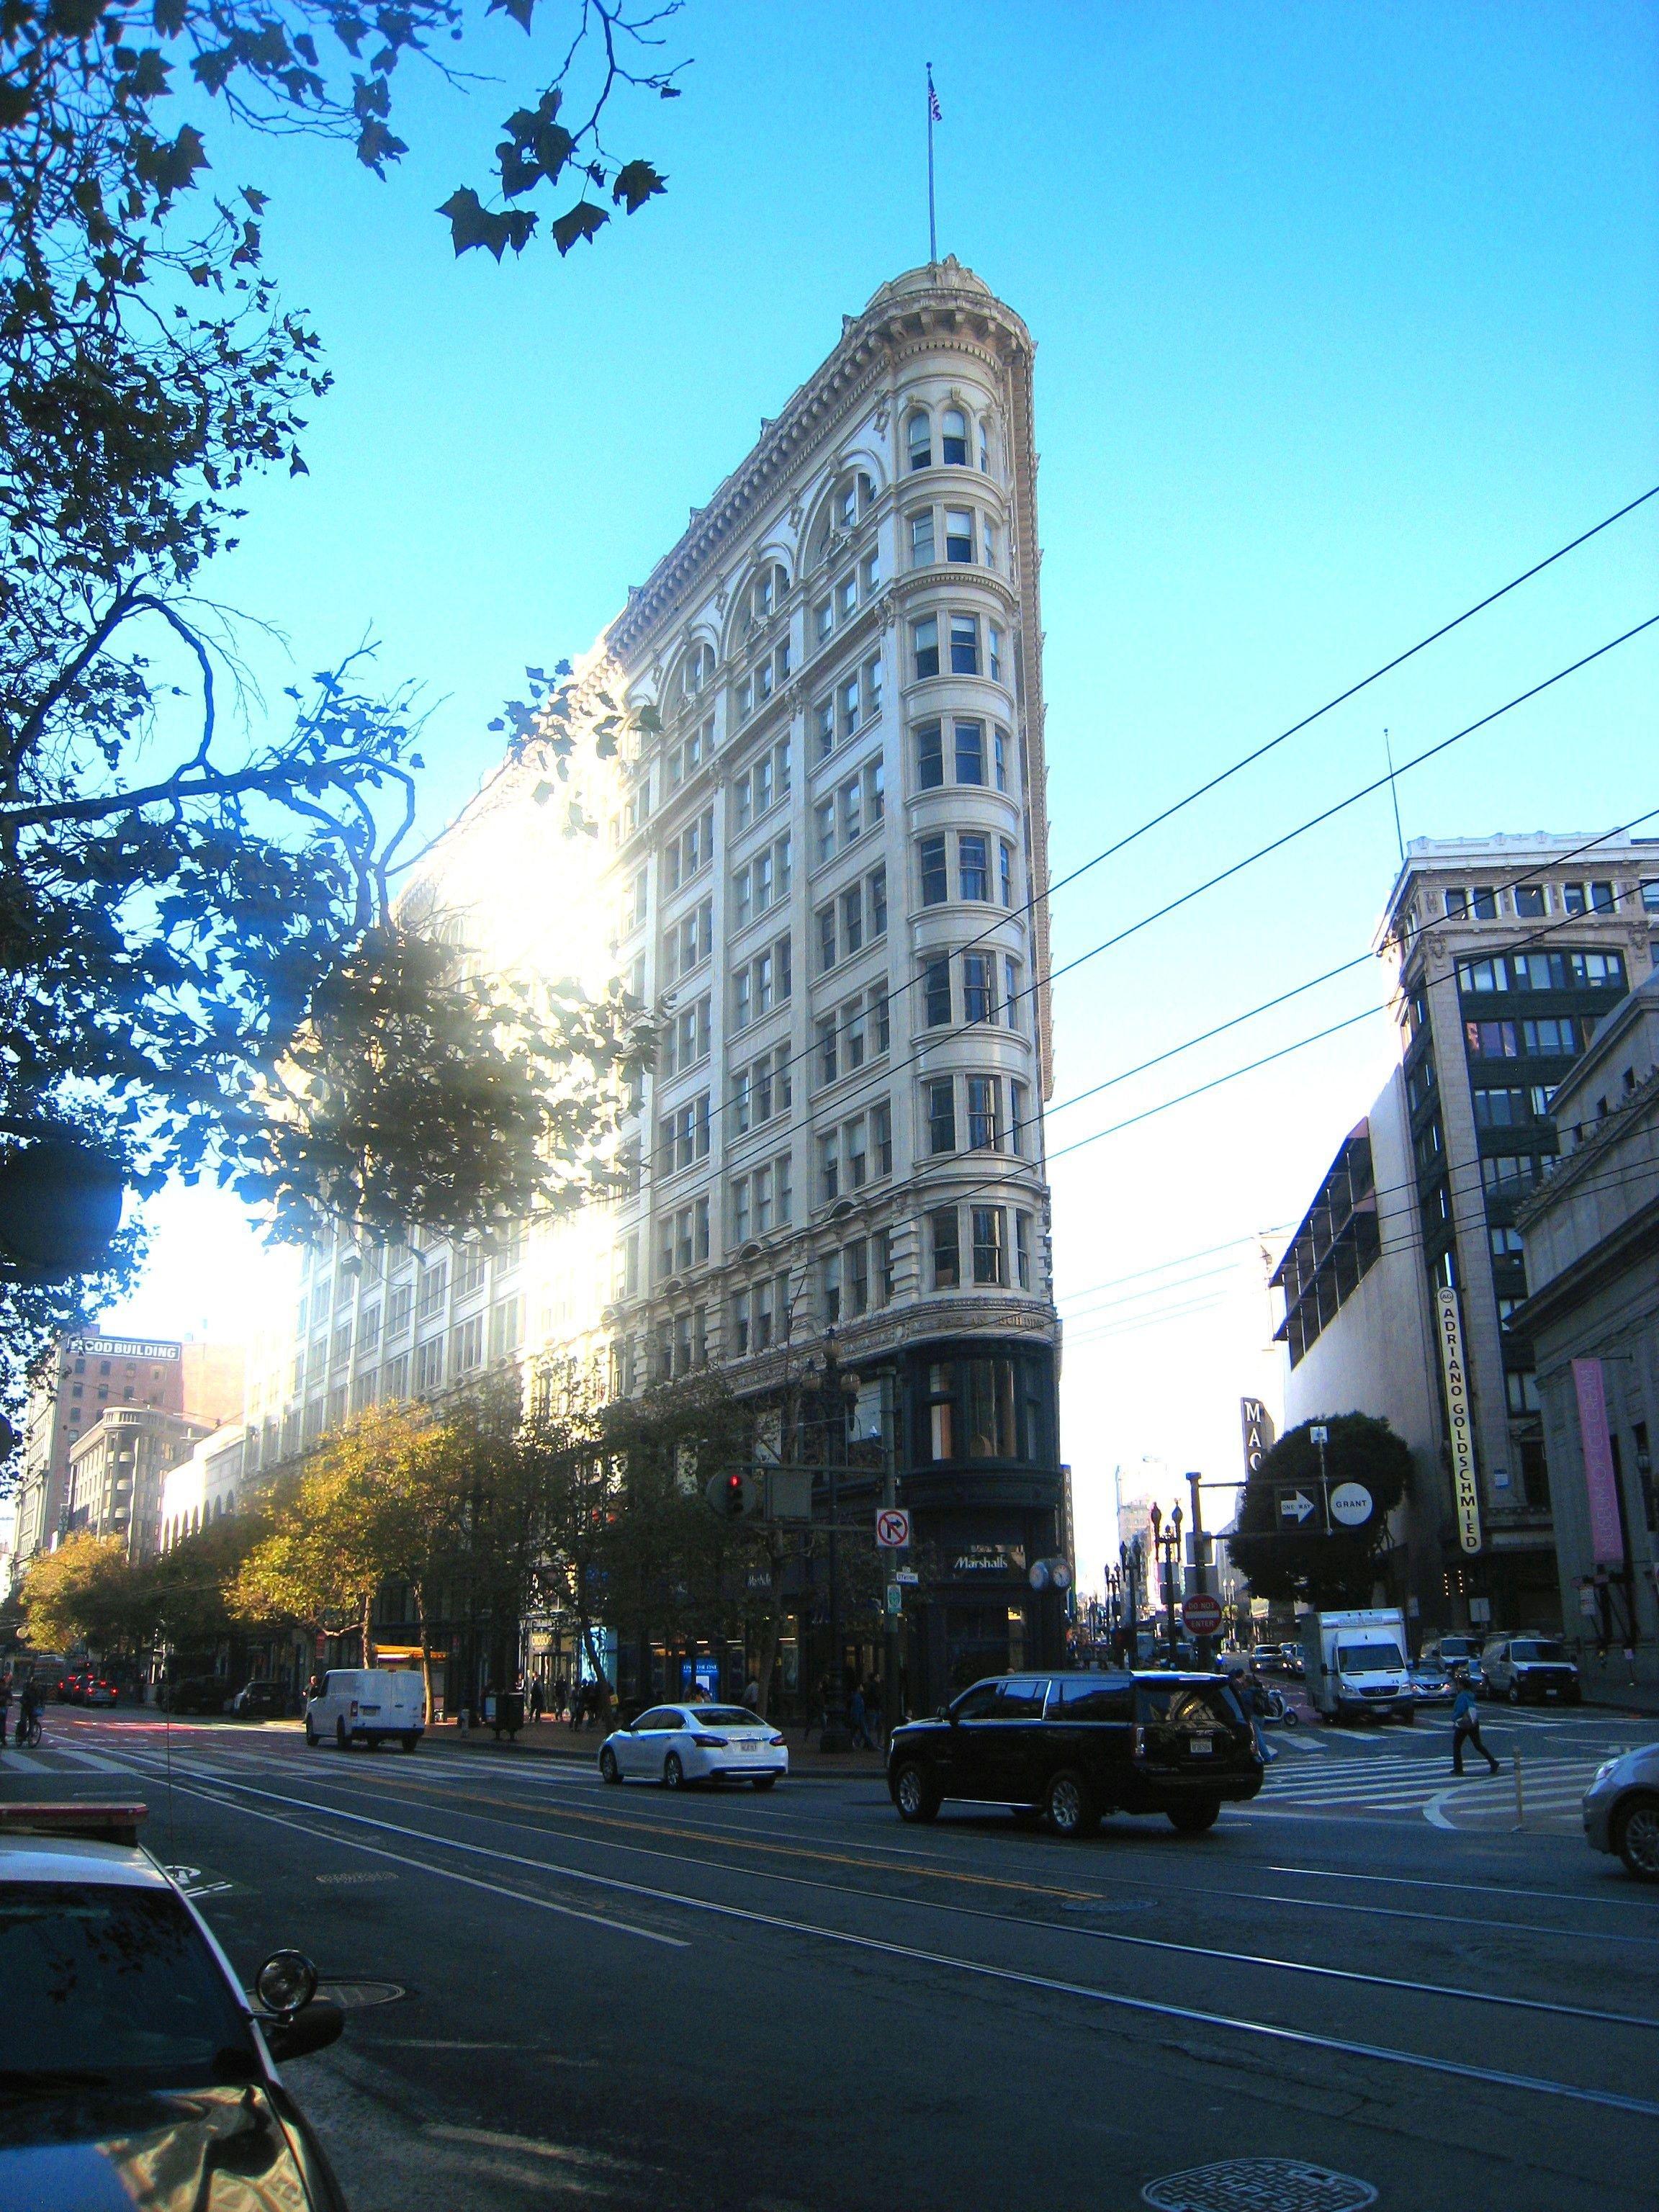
x=933 y=117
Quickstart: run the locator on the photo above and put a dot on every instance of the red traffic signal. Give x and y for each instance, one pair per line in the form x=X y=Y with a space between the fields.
x=734 y=1495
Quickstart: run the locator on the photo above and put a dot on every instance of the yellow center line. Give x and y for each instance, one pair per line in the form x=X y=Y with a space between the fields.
x=864 y=1862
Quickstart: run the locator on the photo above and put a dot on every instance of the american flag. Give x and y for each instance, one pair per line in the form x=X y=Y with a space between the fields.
x=935 y=113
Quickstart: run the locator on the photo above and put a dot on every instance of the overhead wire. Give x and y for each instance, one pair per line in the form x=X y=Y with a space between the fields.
x=1028 y=909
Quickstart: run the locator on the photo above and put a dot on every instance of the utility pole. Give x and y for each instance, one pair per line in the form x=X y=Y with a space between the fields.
x=892 y=1708
x=1199 y=1578
x=1321 y=1436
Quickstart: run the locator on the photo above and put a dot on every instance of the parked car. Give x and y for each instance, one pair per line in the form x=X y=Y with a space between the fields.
x=366 y=1704
x=1528 y=1669
x=1074 y=1746
x=1621 y=1810
x=136 y=2071
x=677 y=1744
x=259 y=1701
x=1450 y=1651
x=193 y=1693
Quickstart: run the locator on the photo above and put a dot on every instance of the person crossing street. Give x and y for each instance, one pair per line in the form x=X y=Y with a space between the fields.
x=1466 y=1723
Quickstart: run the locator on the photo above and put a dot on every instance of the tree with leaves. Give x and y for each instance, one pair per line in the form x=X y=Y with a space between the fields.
x=88 y=1592
x=202 y=963
x=1335 y=1570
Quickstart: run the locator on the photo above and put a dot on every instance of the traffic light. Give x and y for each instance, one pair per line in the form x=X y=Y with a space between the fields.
x=733 y=1495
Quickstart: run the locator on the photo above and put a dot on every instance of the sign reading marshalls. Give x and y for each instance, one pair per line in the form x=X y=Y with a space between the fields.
x=1459 y=1425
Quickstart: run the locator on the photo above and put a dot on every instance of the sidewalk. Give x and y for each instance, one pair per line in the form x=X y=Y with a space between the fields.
x=1613 y=1689
x=550 y=1739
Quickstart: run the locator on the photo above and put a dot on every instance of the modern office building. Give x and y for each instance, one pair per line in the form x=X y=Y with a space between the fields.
x=1504 y=953
x=90 y=1375
x=825 y=865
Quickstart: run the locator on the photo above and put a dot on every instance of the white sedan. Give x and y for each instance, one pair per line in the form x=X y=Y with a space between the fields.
x=677 y=1744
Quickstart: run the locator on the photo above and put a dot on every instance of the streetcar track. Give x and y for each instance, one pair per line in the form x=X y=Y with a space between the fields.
x=1116 y=1936
x=1484 y=2076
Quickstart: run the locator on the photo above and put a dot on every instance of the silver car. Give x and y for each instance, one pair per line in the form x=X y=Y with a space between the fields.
x=1621 y=1811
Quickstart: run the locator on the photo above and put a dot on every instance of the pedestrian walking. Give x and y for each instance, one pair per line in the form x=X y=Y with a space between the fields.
x=751 y=1694
x=858 y=1719
x=873 y=1711
x=536 y=1698
x=1466 y=1724
x=5 y=1708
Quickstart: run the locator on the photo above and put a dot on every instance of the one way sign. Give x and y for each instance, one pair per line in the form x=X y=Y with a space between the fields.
x=1294 y=1506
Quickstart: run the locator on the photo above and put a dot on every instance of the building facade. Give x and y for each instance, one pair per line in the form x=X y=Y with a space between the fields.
x=1591 y=1320
x=91 y=1374
x=1504 y=954
x=117 y=1471
x=825 y=866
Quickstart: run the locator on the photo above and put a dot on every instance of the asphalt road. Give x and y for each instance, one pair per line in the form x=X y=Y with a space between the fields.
x=783 y=2002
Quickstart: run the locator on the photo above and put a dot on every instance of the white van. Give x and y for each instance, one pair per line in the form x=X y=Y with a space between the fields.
x=365 y=1705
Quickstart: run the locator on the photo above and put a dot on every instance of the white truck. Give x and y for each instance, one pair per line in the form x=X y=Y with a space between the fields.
x=1356 y=1664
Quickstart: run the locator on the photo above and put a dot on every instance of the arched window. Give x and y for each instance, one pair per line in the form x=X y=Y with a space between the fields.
x=699 y=668
x=985 y=446
x=953 y=438
x=921 y=434
x=771 y=588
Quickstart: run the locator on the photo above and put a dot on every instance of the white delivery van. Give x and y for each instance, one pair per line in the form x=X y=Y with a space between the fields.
x=1356 y=1664
x=365 y=1705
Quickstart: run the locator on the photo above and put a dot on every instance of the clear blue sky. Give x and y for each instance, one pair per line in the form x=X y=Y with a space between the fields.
x=1343 y=315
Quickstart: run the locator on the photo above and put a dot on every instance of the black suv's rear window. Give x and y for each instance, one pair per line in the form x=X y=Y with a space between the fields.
x=1191 y=1705
x=1088 y=1697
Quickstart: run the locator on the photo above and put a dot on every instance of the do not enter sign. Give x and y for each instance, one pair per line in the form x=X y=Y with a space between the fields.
x=1201 y=1613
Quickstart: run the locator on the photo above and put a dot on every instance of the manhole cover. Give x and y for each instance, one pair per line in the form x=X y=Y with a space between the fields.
x=354 y=1996
x=1258 y=2184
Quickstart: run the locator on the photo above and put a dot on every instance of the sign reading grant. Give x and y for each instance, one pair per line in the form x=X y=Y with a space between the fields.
x=1460 y=1426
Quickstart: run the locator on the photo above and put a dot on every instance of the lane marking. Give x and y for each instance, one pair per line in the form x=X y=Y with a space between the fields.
x=978 y=1969
x=1061 y=1927
x=1477 y=1888
x=445 y=1873
x=1184 y=1896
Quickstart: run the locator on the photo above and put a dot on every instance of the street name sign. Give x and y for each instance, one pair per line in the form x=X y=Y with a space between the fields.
x=1351 y=1505
x=892 y=1528
x=1203 y=1613
x=1294 y=1506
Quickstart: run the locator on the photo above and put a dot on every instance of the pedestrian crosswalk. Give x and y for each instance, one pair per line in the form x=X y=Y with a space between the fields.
x=59 y=1759
x=1420 y=1786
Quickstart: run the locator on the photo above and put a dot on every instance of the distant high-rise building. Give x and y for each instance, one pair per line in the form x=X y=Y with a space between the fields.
x=829 y=872
x=1506 y=953
x=92 y=1373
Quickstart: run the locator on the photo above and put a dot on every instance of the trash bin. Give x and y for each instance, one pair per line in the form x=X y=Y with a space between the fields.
x=507 y=1713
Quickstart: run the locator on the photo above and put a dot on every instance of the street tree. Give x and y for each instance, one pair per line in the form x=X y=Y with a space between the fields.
x=1282 y=1559
x=202 y=965
x=88 y=1592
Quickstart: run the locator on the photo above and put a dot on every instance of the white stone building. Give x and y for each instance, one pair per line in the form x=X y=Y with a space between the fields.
x=828 y=873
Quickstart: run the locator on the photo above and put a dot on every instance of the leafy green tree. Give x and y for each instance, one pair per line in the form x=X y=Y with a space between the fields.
x=87 y=1591
x=201 y=964
x=1279 y=1559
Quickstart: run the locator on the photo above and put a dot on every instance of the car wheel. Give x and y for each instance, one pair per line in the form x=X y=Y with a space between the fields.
x=408 y=1741
x=673 y=1774
x=764 y=1781
x=1636 y=1836
x=1193 y=1820
x=914 y=1794
x=609 y=1770
x=1514 y=1694
x=342 y=1741
x=1069 y=1807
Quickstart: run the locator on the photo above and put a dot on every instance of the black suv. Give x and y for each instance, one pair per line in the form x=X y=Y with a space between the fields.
x=1074 y=1746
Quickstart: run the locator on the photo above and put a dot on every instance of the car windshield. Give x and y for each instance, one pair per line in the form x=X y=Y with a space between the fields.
x=726 y=1717
x=1367 y=1658
x=116 y=1984
x=1457 y=1647
x=1551 y=1654
x=1193 y=1705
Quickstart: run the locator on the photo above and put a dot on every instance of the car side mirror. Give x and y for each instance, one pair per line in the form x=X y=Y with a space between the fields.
x=944 y=1713
x=313 y=2027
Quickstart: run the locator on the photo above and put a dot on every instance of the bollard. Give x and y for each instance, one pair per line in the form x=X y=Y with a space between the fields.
x=1520 y=1795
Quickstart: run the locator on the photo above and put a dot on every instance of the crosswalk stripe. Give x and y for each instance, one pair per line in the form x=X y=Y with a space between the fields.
x=29 y=1762
x=91 y=1759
